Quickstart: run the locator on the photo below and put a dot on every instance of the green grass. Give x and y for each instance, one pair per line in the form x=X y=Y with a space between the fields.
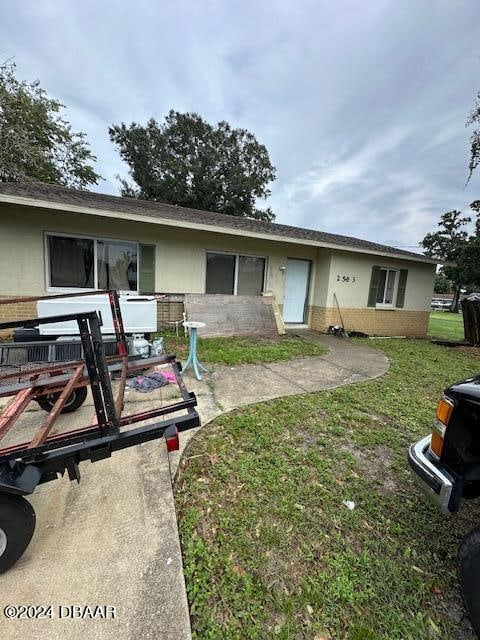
x=233 y=351
x=446 y=325
x=270 y=550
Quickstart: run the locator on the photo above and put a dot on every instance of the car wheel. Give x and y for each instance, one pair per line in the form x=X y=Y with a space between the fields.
x=74 y=401
x=469 y=571
x=17 y=524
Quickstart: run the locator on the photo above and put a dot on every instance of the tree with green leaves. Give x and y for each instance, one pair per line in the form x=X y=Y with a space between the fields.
x=452 y=244
x=474 y=119
x=36 y=142
x=442 y=284
x=186 y=161
x=469 y=259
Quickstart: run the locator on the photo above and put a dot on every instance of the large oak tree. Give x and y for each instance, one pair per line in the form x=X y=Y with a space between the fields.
x=187 y=161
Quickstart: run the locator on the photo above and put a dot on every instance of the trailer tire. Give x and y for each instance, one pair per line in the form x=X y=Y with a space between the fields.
x=74 y=401
x=468 y=571
x=17 y=524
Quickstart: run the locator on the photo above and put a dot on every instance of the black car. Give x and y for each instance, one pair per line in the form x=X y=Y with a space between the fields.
x=446 y=465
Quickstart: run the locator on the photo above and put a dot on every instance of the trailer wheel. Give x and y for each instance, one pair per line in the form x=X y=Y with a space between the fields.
x=74 y=401
x=17 y=524
x=469 y=570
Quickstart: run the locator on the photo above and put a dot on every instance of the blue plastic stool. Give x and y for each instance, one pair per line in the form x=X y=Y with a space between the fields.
x=192 y=353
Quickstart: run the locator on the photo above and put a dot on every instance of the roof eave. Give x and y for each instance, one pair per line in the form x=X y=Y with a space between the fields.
x=106 y=213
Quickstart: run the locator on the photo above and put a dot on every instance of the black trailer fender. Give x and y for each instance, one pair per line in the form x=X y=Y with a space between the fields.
x=18 y=478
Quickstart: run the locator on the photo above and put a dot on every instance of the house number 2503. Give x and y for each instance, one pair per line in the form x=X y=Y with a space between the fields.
x=346 y=279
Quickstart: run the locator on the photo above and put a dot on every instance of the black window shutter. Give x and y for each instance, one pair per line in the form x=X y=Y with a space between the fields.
x=146 y=269
x=402 y=285
x=372 y=293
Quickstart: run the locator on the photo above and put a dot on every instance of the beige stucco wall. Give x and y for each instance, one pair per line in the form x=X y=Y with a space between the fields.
x=181 y=265
x=192 y=248
x=321 y=273
x=180 y=256
x=420 y=280
x=352 y=295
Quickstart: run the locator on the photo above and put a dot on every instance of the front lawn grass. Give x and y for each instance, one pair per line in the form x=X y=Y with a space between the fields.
x=270 y=549
x=446 y=325
x=237 y=350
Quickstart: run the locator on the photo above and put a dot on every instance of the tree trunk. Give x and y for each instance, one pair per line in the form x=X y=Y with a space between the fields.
x=456 y=299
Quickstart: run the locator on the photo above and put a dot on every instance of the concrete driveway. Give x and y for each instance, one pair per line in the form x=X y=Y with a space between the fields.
x=113 y=539
x=110 y=540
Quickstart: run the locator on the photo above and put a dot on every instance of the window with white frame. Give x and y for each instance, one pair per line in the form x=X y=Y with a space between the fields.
x=386 y=287
x=75 y=262
x=235 y=274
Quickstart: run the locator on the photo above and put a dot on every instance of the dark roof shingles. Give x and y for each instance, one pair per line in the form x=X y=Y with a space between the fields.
x=63 y=195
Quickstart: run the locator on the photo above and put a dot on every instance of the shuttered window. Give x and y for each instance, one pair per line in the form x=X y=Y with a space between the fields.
x=147 y=268
x=402 y=287
x=372 y=294
x=387 y=287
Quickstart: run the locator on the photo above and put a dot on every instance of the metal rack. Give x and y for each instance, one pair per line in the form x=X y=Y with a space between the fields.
x=24 y=465
x=18 y=354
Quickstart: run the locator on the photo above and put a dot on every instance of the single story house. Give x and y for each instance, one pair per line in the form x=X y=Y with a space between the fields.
x=54 y=239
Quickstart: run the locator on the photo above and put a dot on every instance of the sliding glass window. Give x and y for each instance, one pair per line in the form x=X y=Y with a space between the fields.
x=71 y=262
x=91 y=263
x=233 y=274
x=220 y=273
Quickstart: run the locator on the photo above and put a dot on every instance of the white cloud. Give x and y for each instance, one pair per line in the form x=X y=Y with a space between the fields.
x=361 y=105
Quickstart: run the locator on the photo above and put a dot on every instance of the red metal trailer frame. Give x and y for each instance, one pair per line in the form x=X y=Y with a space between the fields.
x=46 y=455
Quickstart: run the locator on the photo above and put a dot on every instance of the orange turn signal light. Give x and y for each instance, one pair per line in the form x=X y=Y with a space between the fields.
x=436 y=443
x=444 y=411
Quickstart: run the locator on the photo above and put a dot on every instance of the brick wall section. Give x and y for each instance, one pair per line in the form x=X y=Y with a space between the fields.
x=398 y=322
x=17 y=311
x=168 y=313
x=309 y=315
x=374 y=322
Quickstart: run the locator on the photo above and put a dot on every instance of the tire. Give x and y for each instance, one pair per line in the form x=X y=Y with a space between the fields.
x=74 y=401
x=471 y=489
x=468 y=573
x=17 y=524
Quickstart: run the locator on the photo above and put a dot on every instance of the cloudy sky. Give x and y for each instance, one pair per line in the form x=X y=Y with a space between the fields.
x=362 y=104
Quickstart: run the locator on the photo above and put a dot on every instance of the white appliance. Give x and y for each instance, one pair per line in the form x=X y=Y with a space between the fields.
x=139 y=314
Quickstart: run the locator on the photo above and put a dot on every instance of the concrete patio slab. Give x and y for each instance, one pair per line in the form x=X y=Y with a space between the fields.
x=312 y=374
x=247 y=384
x=111 y=540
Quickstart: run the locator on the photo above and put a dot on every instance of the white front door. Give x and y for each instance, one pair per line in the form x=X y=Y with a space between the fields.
x=296 y=290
